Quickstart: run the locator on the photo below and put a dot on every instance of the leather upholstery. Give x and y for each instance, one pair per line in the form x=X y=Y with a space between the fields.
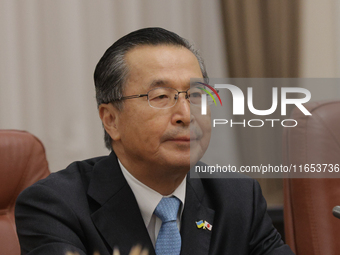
x=310 y=227
x=22 y=163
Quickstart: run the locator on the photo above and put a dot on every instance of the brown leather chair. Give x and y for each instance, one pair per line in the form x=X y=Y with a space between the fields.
x=22 y=163
x=310 y=227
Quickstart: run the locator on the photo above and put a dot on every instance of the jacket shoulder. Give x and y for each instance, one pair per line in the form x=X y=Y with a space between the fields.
x=70 y=182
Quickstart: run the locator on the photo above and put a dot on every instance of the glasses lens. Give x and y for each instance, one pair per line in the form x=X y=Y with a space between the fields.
x=196 y=93
x=162 y=97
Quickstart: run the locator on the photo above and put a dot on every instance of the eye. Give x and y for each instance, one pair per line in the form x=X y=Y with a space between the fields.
x=160 y=97
x=196 y=95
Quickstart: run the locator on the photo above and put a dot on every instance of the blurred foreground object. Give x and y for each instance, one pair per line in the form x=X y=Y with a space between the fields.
x=336 y=211
x=136 y=250
x=310 y=227
x=22 y=163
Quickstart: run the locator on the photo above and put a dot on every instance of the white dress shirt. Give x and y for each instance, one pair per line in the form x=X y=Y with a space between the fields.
x=148 y=200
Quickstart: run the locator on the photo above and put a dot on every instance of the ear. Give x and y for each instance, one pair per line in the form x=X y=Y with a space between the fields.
x=110 y=116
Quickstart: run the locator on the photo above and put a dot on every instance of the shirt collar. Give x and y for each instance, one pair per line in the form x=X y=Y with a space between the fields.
x=148 y=198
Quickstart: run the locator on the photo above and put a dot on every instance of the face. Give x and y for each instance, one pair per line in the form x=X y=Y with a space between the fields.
x=153 y=138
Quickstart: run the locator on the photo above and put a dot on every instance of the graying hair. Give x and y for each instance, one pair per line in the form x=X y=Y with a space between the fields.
x=112 y=70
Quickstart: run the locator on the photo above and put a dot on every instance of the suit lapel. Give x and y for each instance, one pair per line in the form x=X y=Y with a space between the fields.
x=195 y=240
x=118 y=218
x=120 y=223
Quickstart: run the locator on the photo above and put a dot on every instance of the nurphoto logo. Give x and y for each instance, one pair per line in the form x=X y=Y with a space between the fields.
x=239 y=104
x=238 y=99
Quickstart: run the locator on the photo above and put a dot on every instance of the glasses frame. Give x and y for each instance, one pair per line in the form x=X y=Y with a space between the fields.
x=147 y=95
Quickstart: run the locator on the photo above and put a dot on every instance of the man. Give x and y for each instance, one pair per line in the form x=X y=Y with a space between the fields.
x=143 y=94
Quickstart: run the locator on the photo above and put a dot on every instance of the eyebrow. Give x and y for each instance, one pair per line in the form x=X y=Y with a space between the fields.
x=161 y=83
x=158 y=83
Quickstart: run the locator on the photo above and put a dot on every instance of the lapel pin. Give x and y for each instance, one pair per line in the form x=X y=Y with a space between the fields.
x=203 y=224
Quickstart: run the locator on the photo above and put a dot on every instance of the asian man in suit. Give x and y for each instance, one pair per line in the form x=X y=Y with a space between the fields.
x=141 y=193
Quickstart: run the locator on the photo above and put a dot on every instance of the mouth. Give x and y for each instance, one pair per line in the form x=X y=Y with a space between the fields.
x=183 y=137
x=180 y=139
x=188 y=138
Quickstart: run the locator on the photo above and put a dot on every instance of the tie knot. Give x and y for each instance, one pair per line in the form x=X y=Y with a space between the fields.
x=167 y=209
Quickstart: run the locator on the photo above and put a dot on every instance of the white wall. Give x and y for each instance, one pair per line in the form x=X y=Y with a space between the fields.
x=48 y=52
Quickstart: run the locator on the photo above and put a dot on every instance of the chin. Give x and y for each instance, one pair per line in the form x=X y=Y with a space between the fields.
x=196 y=154
x=179 y=162
x=181 y=158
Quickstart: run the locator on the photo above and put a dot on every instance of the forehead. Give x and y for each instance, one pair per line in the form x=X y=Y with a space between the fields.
x=162 y=65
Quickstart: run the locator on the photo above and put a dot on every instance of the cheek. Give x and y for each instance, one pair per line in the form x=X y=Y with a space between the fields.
x=204 y=122
x=147 y=127
x=205 y=126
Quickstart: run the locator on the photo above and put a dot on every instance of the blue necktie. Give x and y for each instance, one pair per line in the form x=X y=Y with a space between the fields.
x=169 y=239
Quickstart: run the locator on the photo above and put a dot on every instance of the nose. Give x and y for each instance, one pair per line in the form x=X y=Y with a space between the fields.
x=182 y=115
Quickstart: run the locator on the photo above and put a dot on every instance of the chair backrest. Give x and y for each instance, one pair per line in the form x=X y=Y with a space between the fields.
x=310 y=227
x=22 y=163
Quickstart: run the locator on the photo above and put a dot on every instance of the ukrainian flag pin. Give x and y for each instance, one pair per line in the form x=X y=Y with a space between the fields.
x=203 y=224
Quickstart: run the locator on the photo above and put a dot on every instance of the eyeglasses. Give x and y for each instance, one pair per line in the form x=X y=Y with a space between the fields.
x=164 y=97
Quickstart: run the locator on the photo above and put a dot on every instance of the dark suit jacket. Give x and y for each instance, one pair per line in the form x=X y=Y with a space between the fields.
x=90 y=207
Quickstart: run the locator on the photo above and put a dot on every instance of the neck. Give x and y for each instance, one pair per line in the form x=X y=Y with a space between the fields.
x=163 y=186
x=163 y=181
